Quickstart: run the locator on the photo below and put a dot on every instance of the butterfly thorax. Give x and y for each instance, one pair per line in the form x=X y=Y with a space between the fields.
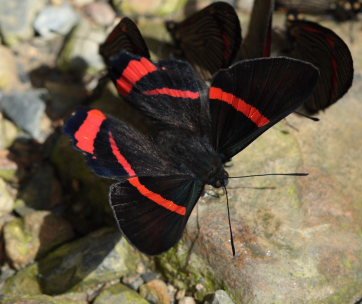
x=194 y=154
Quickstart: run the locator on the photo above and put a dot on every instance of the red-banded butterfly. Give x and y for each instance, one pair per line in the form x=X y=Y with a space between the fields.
x=195 y=130
x=319 y=45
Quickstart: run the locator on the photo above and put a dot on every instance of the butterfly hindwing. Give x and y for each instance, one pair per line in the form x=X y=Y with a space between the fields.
x=328 y=52
x=252 y=95
x=209 y=39
x=153 y=220
x=169 y=91
x=124 y=37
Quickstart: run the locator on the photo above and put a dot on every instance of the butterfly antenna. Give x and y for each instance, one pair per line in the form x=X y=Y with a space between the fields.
x=231 y=231
x=268 y=174
x=307 y=116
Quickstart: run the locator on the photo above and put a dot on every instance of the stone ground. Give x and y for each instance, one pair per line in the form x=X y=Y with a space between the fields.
x=299 y=240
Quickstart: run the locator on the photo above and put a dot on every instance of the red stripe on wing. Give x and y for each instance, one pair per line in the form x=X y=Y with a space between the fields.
x=240 y=105
x=134 y=72
x=174 y=93
x=88 y=130
x=158 y=199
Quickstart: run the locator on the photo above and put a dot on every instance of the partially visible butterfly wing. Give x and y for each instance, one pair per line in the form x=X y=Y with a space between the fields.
x=252 y=95
x=306 y=6
x=114 y=149
x=327 y=51
x=153 y=220
x=169 y=92
x=124 y=37
x=257 y=42
x=208 y=39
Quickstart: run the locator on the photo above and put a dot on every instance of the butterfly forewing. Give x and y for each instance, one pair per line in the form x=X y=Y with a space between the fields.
x=210 y=38
x=124 y=37
x=169 y=92
x=153 y=221
x=114 y=149
x=252 y=95
x=327 y=51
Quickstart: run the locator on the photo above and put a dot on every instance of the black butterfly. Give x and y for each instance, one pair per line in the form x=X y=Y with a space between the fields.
x=320 y=46
x=125 y=36
x=196 y=129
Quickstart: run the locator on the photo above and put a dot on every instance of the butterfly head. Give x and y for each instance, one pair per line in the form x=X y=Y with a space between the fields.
x=217 y=176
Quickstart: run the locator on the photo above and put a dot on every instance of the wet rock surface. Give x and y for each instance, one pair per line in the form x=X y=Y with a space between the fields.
x=297 y=239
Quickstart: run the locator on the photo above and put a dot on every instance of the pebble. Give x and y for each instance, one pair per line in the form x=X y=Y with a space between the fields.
x=27 y=111
x=6 y=199
x=55 y=20
x=187 y=300
x=156 y=291
x=133 y=281
x=219 y=297
x=119 y=294
x=16 y=17
x=8 y=77
x=101 y=13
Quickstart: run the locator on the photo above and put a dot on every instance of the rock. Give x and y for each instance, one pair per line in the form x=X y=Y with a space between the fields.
x=219 y=297
x=8 y=132
x=41 y=192
x=55 y=20
x=95 y=259
x=27 y=111
x=16 y=18
x=80 y=54
x=187 y=300
x=8 y=168
x=149 y=8
x=300 y=242
x=71 y=298
x=156 y=291
x=134 y=281
x=82 y=2
x=117 y=294
x=30 y=238
x=6 y=199
x=101 y=12
x=8 y=77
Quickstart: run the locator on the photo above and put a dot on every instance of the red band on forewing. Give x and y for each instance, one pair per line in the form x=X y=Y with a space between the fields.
x=134 y=72
x=88 y=130
x=240 y=105
x=122 y=161
x=174 y=93
x=158 y=199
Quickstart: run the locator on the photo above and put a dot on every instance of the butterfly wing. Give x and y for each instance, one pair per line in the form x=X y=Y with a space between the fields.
x=328 y=52
x=169 y=92
x=152 y=200
x=252 y=95
x=114 y=149
x=153 y=220
x=257 y=42
x=124 y=37
x=208 y=39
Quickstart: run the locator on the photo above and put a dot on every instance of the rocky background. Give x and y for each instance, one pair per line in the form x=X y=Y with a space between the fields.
x=298 y=239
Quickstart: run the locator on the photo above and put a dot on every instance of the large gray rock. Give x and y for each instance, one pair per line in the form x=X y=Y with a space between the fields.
x=31 y=237
x=300 y=242
x=97 y=258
